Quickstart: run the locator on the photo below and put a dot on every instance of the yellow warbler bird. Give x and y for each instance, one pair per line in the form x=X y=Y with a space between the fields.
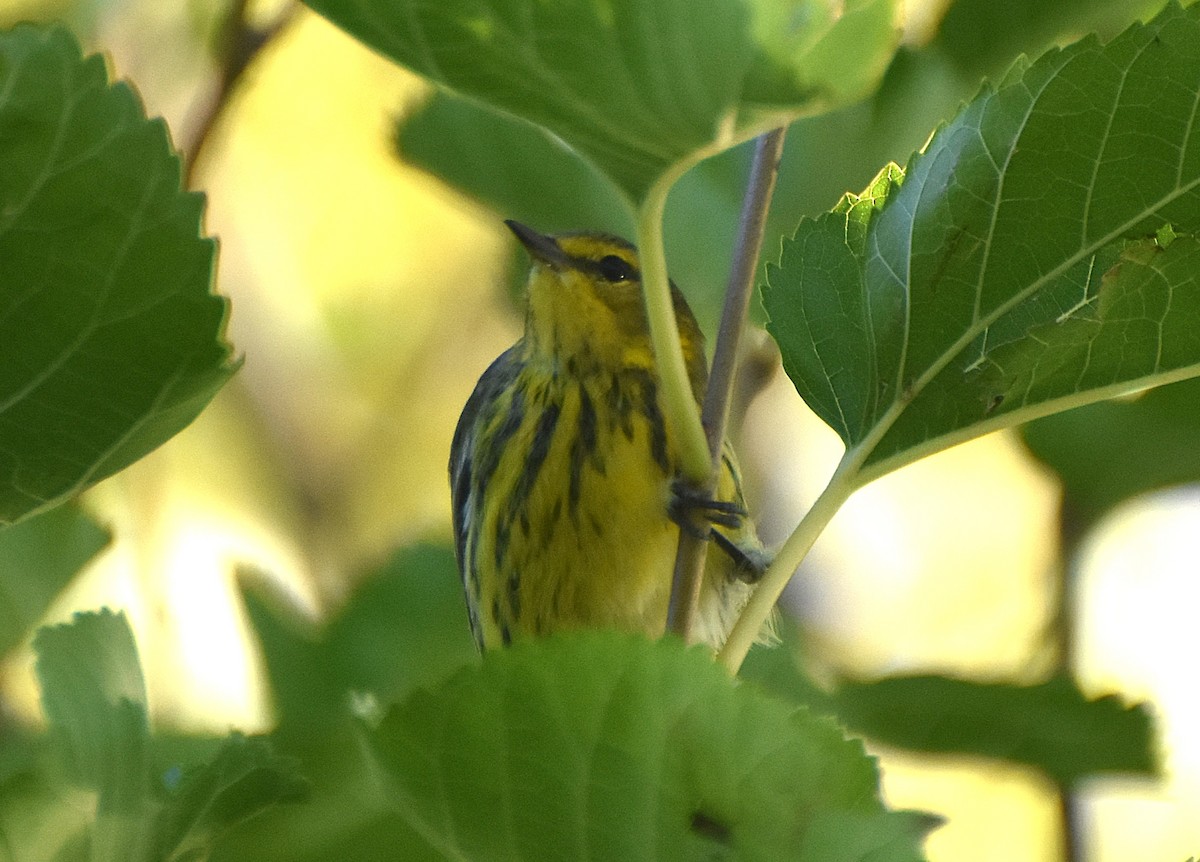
x=563 y=472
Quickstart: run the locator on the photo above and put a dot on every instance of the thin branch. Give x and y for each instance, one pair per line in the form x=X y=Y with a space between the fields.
x=239 y=44
x=1063 y=634
x=689 y=559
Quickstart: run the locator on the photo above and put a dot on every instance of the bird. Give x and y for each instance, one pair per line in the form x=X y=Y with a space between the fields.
x=565 y=494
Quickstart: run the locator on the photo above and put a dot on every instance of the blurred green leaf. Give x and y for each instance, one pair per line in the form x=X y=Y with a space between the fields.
x=114 y=807
x=980 y=36
x=42 y=820
x=80 y=16
x=1009 y=276
x=635 y=88
x=1106 y=453
x=112 y=338
x=837 y=52
x=607 y=746
x=1052 y=726
x=39 y=557
x=307 y=695
x=406 y=626
x=342 y=821
x=507 y=164
x=95 y=703
x=245 y=778
x=779 y=669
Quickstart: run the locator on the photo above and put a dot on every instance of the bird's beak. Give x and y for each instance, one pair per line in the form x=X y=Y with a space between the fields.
x=541 y=247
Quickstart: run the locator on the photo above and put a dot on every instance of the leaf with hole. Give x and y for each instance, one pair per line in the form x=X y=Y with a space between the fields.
x=607 y=746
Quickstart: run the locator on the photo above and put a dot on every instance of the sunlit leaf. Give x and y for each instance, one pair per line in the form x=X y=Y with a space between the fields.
x=1015 y=271
x=635 y=87
x=111 y=339
x=95 y=702
x=607 y=746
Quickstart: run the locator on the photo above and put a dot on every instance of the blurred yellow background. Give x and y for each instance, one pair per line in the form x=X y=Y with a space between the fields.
x=367 y=299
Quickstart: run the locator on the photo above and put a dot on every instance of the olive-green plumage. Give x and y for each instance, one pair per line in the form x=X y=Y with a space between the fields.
x=562 y=467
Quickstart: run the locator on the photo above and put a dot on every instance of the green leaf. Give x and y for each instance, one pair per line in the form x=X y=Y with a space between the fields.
x=245 y=778
x=607 y=746
x=634 y=87
x=308 y=697
x=39 y=557
x=779 y=670
x=1015 y=271
x=1106 y=453
x=981 y=35
x=112 y=338
x=1052 y=726
x=837 y=50
x=95 y=702
x=405 y=626
x=506 y=164
x=925 y=86
x=42 y=820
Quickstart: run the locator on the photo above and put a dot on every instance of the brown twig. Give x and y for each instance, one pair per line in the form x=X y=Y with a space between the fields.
x=689 y=558
x=1063 y=636
x=238 y=44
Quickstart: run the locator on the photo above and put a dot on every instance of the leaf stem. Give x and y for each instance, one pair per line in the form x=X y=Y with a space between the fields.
x=679 y=404
x=689 y=558
x=842 y=484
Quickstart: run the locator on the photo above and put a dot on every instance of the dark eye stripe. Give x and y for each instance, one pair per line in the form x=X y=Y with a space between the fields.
x=611 y=268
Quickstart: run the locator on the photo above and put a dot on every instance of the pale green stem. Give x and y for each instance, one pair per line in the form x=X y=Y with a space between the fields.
x=681 y=413
x=847 y=478
x=766 y=594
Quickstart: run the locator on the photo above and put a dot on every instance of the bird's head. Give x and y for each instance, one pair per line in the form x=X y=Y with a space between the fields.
x=586 y=308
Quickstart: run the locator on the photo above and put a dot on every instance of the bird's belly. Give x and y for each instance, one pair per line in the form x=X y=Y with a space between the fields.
x=581 y=537
x=608 y=558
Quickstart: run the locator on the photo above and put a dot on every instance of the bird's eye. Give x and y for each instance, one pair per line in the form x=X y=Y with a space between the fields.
x=613 y=268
